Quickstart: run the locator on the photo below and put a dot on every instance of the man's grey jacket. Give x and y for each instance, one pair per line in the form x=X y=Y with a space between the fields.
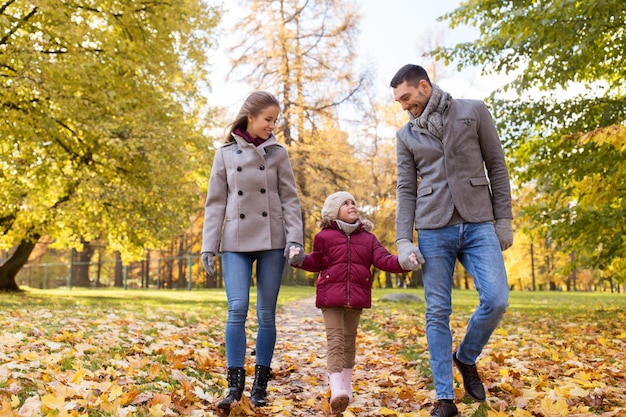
x=466 y=170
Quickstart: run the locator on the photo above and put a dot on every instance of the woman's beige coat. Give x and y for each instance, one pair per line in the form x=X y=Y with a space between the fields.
x=252 y=203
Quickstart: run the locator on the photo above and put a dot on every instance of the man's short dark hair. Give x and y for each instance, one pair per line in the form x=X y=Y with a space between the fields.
x=410 y=73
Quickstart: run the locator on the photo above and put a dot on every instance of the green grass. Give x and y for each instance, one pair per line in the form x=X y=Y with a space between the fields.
x=532 y=304
x=171 y=299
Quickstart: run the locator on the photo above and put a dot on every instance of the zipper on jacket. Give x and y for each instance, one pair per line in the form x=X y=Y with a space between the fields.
x=349 y=268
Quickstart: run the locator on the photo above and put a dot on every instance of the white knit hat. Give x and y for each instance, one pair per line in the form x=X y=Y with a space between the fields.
x=333 y=203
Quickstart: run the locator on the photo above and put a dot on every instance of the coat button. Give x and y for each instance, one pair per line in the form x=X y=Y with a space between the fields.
x=264 y=214
x=242 y=216
x=239 y=169
x=240 y=192
x=262 y=190
x=238 y=150
x=262 y=167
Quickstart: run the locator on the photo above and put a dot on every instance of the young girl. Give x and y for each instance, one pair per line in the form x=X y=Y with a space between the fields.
x=252 y=214
x=343 y=252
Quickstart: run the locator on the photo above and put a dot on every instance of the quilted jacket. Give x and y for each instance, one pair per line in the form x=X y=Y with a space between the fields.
x=344 y=264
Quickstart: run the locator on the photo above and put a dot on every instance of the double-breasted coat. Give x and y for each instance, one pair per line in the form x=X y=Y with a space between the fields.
x=252 y=203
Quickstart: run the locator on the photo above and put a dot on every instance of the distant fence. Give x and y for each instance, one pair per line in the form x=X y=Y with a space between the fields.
x=181 y=272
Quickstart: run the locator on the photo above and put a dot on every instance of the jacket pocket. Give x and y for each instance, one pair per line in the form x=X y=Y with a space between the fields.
x=424 y=191
x=479 y=181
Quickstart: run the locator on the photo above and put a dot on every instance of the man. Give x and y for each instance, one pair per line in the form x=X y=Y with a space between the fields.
x=453 y=188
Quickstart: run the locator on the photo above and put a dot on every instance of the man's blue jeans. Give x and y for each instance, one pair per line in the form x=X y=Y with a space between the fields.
x=477 y=247
x=237 y=280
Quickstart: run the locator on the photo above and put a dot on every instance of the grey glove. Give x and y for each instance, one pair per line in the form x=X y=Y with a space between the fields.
x=405 y=249
x=504 y=231
x=207 y=262
x=297 y=259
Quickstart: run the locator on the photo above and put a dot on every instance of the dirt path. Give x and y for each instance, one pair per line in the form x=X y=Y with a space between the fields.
x=300 y=386
x=300 y=359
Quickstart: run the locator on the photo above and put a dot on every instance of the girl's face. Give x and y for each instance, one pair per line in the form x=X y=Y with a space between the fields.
x=262 y=125
x=348 y=212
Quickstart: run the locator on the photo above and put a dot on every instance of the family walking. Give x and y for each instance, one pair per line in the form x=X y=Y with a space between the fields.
x=452 y=189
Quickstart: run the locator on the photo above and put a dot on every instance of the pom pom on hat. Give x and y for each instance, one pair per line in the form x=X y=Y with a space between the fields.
x=333 y=203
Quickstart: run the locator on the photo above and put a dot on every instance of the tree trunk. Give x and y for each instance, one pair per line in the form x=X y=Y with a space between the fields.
x=10 y=269
x=182 y=282
x=98 y=269
x=388 y=281
x=82 y=264
x=417 y=281
x=119 y=270
x=146 y=272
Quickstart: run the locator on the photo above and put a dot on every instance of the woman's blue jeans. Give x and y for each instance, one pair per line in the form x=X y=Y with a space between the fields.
x=237 y=280
x=477 y=247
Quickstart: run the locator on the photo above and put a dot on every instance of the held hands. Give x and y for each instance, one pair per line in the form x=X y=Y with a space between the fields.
x=207 y=262
x=294 y=252
x=504 y=231
x=409 y=255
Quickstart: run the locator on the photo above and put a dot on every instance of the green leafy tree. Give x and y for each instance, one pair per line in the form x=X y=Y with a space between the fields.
x=100 y=133
x=564 y=130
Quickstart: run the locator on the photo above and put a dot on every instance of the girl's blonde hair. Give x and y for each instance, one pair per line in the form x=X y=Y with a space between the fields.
x=254 y=104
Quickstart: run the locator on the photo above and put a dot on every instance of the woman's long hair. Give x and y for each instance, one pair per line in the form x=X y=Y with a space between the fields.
x=254 y=104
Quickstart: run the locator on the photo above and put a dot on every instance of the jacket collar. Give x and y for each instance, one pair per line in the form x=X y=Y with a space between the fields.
x=335 y=226
x=242 y=143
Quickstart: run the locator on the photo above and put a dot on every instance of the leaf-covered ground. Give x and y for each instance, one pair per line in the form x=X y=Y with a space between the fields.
x=134 y=359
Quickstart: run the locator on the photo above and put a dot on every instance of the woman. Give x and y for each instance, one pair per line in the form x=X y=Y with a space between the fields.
x=252 y=214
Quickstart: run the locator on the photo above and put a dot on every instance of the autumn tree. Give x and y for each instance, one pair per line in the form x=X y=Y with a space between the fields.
x=304 y=51
x=564 y=129
x=100 y=136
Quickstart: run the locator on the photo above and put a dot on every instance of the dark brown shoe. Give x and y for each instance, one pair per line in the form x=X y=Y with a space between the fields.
x=444 y=410
x=471 y=381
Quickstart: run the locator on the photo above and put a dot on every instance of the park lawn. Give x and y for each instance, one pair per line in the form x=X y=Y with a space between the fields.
x=107 y=352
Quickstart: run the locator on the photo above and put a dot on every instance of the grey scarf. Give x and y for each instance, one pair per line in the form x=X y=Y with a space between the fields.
x=348 y=228
x=432 y=116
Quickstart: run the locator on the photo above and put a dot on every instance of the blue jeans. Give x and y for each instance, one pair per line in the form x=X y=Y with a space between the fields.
x=476 y=246
x=237 y=280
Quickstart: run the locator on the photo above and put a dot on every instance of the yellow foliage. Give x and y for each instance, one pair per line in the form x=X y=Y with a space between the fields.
x=556 y=408
x=614 y=135
x=53 y=401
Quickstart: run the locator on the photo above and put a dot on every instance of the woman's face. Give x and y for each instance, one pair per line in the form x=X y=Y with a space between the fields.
x=348 y=212
x=262 y=125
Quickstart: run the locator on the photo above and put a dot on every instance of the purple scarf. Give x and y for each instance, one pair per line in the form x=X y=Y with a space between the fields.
x=244 y=134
